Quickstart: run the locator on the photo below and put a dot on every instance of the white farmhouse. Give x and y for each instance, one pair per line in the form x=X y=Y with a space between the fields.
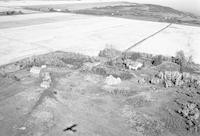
x=133 y=65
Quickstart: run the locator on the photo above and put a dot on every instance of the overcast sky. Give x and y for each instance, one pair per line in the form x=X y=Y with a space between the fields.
x=184 y=5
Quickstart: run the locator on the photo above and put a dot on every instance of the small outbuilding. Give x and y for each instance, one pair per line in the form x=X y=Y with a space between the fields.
x=133 y=65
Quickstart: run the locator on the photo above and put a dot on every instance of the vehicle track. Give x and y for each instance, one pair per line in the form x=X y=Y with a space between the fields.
x=139 y=42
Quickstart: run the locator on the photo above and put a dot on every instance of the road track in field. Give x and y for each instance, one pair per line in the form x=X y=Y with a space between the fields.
x=139 y=42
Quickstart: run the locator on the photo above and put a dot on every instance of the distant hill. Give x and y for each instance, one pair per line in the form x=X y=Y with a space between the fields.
x=149 y=12
x=145 y=12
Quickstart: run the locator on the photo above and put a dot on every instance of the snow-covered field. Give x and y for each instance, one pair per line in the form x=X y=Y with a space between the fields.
x=14 y=3
x=27 y=35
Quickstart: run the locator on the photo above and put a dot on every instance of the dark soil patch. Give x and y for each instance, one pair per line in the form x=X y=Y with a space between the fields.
x=106 y=71
x=57 y=59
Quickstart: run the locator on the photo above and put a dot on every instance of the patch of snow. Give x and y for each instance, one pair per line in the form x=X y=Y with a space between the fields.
x=35 y=70
x=110 y=80
x=133 y=65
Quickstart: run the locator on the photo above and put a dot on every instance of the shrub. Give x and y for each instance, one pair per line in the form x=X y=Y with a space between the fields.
x=157 y=60
x=185 y=63
x=182 y=60
x=135 y=56
x=109 y=53
x=181 y=56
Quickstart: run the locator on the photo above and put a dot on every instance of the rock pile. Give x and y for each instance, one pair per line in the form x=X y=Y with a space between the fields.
x=46 y=80
x=174 y=78
x=132 y=65
x=191 y=113
x=155 y=80
x=110 y=80
x=35 y=71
